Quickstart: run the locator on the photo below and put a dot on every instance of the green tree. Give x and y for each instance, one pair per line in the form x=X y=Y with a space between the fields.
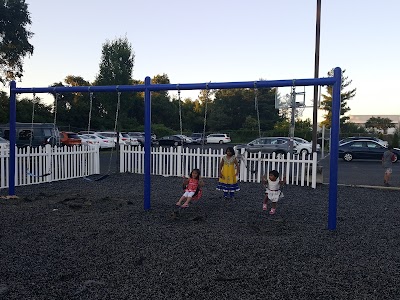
x=14 y=38
x=379 y=123
x=162 y=109
x=4 y=107
x=116 y=68
x=349 y=128
x=326 y=103
x=231 y=108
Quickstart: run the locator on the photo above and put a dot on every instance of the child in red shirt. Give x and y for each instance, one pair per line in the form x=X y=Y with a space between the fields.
x=193 y=183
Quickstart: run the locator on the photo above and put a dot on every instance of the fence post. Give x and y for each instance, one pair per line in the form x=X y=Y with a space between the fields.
x=122 y=158
x=48 y=163
x=288 y=165
x=314 y=171
x=179 y=161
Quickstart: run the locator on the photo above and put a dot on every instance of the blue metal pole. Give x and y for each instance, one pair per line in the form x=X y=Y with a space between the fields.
x=334 y=146
x=187 y=86
x=13 y=138
x=147 y=143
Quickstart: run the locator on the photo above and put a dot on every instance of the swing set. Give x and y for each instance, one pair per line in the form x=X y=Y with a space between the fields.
x=148 y=87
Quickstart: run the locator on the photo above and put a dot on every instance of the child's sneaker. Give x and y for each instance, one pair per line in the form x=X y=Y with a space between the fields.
x=272 y=211
x=264 y=206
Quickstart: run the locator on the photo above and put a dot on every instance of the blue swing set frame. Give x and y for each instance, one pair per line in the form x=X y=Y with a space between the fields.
x=148 y=87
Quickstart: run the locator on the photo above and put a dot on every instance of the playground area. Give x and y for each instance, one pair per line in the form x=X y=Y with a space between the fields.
x=76 y=239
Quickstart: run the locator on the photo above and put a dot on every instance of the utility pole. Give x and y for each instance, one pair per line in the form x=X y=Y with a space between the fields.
x=316 y=75
x=293 y=119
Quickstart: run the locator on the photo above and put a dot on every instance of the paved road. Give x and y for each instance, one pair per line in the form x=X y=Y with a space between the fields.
x=360 y=172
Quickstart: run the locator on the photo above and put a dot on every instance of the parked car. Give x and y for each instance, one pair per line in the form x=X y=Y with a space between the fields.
x=141 y=137
x=70 y=138
x=129 y=140
x=171 y=140
x=218 y=138
x=88 y=141
x=153 y=135
x=123 y=140
x=266 y=145
x=104 y=143
x=198 y=138
x=353 y=138
x=187 y=139
x=42 y=134
x=4 y=144
x=365 y=149
x=304 y=146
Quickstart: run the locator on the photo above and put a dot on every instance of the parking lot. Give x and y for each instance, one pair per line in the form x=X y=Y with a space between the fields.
x=361 y=172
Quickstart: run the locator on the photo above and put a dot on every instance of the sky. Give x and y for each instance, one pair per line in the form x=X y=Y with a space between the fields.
x=224 y=41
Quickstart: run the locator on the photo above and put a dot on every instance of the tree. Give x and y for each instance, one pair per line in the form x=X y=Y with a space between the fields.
x=379 y=123
x=351 y=128
x=14 y=36
x=116 y=68
x=326 y=103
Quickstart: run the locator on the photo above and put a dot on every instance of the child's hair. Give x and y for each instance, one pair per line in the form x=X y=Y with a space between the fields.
x=275 y=173
x=195 y=170
x=230 y=149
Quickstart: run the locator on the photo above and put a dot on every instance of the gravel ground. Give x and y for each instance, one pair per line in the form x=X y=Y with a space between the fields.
x=93 y=240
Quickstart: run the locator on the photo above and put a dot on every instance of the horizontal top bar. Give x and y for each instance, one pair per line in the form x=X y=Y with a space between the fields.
x=185 y=86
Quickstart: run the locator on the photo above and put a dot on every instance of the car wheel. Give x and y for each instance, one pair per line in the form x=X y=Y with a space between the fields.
x=348 y=156
x=303 y=151
x=395 y=158
x=176 y=143
x=221 y=142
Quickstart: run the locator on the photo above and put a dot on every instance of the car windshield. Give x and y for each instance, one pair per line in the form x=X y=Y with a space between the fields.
x=73 y=136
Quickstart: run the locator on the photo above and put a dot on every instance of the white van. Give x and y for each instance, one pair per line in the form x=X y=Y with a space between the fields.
x=218 y=138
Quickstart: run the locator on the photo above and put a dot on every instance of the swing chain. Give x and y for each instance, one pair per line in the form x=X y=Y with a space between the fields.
x=180 y=109
x=90 y=109
x=205 y=115
x=256 y=108
x=32 y=120
x=55 y=118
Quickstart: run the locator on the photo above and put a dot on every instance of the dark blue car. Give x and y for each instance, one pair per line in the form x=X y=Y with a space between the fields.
x=365 y=149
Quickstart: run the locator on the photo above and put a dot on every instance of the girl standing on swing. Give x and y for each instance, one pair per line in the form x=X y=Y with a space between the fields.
x=228 y=172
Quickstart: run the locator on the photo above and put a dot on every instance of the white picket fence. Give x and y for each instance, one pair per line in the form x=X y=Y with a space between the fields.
x=47 y=164
x=180 y=161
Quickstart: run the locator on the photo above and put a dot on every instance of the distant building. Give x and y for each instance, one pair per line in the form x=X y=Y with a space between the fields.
x=362 y=119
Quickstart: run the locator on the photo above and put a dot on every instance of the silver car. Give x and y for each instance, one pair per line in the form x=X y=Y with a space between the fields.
x=266 y=145
x=4 y=143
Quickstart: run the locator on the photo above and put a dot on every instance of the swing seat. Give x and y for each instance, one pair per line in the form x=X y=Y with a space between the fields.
x=36 y=175
x=96 y=178
x=197 y=195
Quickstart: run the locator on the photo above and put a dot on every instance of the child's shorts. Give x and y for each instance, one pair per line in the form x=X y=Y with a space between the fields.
x=388 y=171
x=188 y=194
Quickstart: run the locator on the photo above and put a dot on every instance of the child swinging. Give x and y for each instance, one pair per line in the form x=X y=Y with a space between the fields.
x=192 y=187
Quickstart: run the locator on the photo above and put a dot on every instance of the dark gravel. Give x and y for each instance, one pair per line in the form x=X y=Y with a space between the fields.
x=93 y=240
